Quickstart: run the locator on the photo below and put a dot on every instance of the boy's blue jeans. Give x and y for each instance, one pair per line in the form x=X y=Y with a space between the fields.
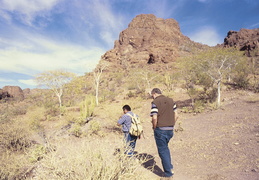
x=162 y=138
x=130 y=142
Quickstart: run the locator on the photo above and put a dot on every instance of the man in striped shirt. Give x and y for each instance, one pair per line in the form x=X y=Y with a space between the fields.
x=164 y=116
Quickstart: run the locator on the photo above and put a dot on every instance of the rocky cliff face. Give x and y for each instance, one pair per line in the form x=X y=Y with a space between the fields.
x=150 y=40
x=246 y=40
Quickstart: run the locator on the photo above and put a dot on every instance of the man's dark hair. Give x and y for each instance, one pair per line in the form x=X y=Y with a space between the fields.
x=127 y=107
x=156 y=90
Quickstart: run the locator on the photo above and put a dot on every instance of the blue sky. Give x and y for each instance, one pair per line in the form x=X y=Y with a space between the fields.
x=40 y=35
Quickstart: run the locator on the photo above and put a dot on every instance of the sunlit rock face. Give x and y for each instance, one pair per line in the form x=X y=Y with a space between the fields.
x=246 y=40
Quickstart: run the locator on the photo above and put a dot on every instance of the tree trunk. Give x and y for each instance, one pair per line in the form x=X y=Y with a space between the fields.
x=60 y=101
x=97 y=93
x=219 y=93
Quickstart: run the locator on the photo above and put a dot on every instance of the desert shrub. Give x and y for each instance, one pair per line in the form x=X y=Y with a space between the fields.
x=51 y=108
x=130 y=94
x=37 y=153
x=199 y=106
x=35 y=116
x=9 y=111
x=240 y=74
x=208 y=95
x=91 y=160
x=137 y=93
x=52 y=111
x=19 y=110
x=76 y=130
x=95 y=127
x=186 y=109
x=14 y=137
x=13 y=165
x=241 y=81
x=108 y=94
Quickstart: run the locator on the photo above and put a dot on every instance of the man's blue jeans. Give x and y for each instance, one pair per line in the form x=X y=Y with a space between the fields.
x=162 y=138
x=130 y=142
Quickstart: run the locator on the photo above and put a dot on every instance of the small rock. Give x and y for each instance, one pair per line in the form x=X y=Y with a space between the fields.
x=236 y=143
x=254 y=170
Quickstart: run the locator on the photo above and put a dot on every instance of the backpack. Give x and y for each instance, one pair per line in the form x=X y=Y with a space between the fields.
x=136 y=128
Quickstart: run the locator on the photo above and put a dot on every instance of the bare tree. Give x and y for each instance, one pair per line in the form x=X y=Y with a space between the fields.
x=97 y=79
x=55 y=80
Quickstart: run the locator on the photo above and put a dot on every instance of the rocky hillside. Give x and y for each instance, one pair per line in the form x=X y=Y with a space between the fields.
x=246 y=40
x=150 y=40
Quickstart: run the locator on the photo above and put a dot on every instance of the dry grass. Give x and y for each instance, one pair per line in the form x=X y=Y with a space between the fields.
x=13 y=165
x=90 y=160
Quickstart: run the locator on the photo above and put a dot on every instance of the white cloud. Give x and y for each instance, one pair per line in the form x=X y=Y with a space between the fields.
x=163 y=8
x=38 y=54
x=27 y=9
x=256 y=25
x=109 y=22
x=206 y=35
x=30 y=82
x=6 y=80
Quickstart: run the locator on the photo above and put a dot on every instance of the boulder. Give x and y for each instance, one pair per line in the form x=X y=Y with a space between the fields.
x=14 y=92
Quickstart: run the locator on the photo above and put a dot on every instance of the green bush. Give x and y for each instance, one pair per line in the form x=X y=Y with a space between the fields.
x=95 y=127
x=76 y=130
x=199 y=106
x=241 y=81
x=37 y=153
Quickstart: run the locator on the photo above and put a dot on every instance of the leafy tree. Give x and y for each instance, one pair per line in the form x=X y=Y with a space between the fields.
x=212 y=67
x=189 y=75
x=56 y=81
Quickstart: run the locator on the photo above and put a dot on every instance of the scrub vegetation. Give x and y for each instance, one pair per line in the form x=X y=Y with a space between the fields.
x=75 y=136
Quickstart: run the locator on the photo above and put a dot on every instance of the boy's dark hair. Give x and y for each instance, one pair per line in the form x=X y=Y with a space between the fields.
x=156 y=90
x=127 y=107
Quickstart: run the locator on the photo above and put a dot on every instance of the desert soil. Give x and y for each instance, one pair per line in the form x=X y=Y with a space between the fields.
x=213 y=145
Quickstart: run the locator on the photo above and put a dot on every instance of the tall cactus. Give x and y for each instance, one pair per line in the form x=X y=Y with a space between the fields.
x=87 y=107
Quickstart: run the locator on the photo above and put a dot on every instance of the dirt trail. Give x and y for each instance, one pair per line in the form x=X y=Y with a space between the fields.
x=214 y=145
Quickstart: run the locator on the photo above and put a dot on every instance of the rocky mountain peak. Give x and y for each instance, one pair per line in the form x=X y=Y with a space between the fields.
x=149 y=40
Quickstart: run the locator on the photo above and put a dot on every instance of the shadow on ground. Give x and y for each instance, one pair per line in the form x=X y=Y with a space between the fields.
x=150 y=163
